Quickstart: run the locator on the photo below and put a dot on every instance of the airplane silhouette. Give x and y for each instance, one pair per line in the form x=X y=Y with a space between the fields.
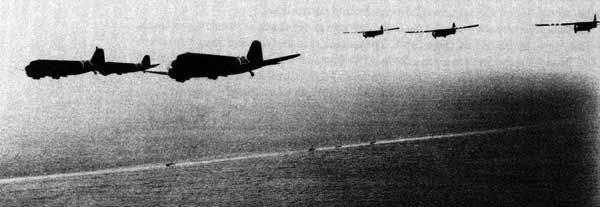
x=192 y=65
x=120 y=68
x=373 y=33
x=62 y=68
x=443 y=32
x=577 y=26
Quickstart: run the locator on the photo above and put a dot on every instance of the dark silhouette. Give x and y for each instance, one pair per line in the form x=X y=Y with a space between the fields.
x=443 y=32
x=373 y=33
x=57 y=68
x=577 y=26
x=169 y=164
x=120 y=68
x=191 y=65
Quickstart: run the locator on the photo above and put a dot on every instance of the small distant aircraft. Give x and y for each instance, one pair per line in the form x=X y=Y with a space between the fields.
x=62 y=68
x=444 y=32
x=373 y=33
x=577 y=26
x=192 y=65
x=120 y=68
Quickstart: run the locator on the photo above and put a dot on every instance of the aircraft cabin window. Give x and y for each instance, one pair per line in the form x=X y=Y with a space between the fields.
x=243 y=60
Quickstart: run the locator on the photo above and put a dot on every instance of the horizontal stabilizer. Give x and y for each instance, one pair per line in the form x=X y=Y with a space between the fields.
x=279 y=59
x=157 y=72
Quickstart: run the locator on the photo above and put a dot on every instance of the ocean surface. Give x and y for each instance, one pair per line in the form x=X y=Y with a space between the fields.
x=500 y=141
x=551 y=164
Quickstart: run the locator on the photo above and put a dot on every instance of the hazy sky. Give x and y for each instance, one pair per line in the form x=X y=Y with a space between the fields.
x=335 y=71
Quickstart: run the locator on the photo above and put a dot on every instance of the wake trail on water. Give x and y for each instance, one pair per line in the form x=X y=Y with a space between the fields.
x=254 y=156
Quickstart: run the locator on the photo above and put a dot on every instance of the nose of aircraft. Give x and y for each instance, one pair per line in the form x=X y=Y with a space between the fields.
x=28 y=69
x=30 y=72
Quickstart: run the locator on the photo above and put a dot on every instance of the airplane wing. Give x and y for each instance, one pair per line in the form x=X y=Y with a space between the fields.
x=360 y=32
x=423 y=31
x=395 y=28
x=470 y=26
x=156 y=72
x=275 y=61
x=556 y=24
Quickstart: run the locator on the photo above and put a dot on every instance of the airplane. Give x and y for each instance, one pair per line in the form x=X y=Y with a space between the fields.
x=120 y=68
x=192 y=65
x=62 y=68
x=577 y=26
x=443 y=32
x=373 y=33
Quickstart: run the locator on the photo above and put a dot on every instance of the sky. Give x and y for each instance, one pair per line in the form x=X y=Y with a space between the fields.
x=336 y=75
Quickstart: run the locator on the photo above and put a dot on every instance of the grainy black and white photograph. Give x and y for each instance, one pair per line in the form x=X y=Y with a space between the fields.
x=299 y=103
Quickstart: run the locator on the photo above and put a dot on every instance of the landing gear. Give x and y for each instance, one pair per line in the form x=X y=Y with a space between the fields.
x=251 y=74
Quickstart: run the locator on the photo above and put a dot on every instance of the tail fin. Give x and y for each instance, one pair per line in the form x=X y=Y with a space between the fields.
x=381 y=28
x=453 y=25
x=595 y=18
x=255 y=53
x=98 y=57
x=146 y=61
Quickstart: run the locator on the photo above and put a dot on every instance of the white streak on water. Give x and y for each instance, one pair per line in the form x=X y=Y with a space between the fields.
x=252 y=156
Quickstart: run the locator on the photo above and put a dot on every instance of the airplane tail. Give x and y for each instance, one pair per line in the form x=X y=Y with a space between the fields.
x=146 y=64
x=255 y=53
x=595 y=18
x=146 y=61
x=453 y=25
x=98 y=57
x=381 y=28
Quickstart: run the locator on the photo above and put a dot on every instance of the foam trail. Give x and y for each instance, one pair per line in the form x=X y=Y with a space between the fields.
x=253 y=156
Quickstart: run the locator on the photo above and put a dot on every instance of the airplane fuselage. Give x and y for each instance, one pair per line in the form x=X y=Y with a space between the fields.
x=192 y=65
x=197 y=65
x=443 y=33
x=584 y=26
x=372 y=33
x=57 y=68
